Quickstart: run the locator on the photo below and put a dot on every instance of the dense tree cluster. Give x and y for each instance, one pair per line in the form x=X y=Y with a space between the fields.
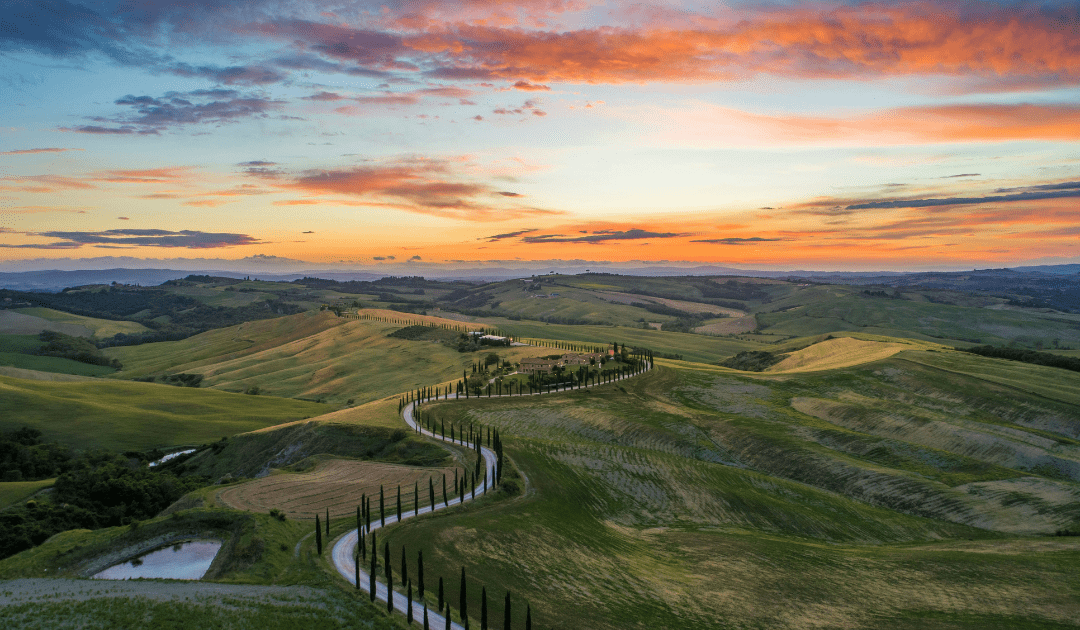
x=98 y=489
x=75 y=348
x=1048 y=359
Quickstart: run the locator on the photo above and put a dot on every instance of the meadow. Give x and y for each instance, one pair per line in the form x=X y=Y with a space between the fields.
x=12 y=492
x=712 y=498
x=117 y=415
x=872 y=477
x=313 y=356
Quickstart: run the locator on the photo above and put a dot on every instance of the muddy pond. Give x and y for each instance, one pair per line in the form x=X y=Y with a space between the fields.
x=187 y=560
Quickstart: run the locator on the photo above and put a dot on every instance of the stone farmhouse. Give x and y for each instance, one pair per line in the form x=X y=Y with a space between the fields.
x=536 y=365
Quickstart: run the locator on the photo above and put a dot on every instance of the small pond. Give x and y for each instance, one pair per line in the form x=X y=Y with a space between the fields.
x=183 y=561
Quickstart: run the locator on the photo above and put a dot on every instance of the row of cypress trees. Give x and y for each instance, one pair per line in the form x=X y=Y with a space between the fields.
x=363 y=511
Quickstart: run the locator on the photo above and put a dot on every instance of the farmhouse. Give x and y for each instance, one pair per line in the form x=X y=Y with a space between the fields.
x=590 y=358
x=536 y=365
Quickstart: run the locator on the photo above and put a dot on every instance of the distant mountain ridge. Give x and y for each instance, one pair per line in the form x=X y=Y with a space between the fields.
x=56 y=280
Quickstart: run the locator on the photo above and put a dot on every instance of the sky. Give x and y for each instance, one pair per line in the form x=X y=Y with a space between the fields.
x=823 y=135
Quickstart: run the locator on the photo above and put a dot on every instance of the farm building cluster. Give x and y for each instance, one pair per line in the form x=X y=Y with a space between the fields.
x=536 y=365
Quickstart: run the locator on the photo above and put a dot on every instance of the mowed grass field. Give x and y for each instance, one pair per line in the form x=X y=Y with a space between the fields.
x=886 y=494
x=315 y=356
x=100 y=328
x=692 y=347
x=12 y=492
x=338 y=485
x=138 y=416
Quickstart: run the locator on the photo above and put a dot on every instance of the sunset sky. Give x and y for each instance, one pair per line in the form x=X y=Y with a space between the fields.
x=766 y=135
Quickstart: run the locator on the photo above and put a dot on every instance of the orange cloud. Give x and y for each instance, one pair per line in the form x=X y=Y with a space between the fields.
x=169 y=174
x=426 y=186
x=858 y=41
x=704 y=124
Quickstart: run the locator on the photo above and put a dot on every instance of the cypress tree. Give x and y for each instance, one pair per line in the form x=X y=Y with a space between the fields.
x=425 y=618
x=416 y=498
x=463 y=603
x=420 y=574
x=431 y=493
x=483 y=608
x=371 y=577
x=399 y=503
x=408 y=603
x=528 y=617
x=389 y=579
x=506 y=612
x=356 y=564
x=318 y=535
x=447 y=615
x=359 y=518
x=328 y=522
x=404 y=567
x=446 y=503
x=374 y=551
x=440 y=593
x=382 y=506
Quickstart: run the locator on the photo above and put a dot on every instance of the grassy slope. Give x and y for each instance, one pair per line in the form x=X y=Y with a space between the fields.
x=52 y=364
x=261 y=551
x=692 y=347
x=12 y=492
x=312 y=355
x=16 y=352
x=824 y=309
x=101 y=328
x=234 y=341
x=124 y=415
x=630 y=517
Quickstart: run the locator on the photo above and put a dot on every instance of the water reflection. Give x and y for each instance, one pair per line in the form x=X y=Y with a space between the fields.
x=183 y=561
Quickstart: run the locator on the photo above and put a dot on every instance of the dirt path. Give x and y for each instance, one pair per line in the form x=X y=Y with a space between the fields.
x=344 y=550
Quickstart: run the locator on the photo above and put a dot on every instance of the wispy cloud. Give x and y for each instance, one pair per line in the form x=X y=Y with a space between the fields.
x=427 y=186
x=499 y=237
x=733 y=240
x=34 y=151
x=601 y=236
x=184 y=239
x=152 y=115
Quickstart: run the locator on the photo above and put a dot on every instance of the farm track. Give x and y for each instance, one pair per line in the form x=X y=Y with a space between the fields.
x=343 y=554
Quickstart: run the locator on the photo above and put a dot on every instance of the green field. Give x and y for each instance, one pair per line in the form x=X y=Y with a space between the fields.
x=692 y=347
x=882 y=495
x=315 y=356
x=873 y=477
x=16 y=351
x=52 y=364
x=100 y=328
x=821 y=310
x=138 y=416
x=12 y=492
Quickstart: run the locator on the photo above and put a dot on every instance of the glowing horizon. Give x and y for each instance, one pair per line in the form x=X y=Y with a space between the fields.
x=862 y=136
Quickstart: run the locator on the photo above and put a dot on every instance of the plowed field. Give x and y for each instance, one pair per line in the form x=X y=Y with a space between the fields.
x=337 y=485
